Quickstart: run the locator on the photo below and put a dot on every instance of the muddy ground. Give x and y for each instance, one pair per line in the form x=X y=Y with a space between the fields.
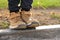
x=44 y=16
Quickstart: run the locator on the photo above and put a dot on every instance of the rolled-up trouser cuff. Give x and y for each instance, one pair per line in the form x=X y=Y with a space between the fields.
x=26 y=5
x=14 y=11
x=13 y=5
x=25 y=9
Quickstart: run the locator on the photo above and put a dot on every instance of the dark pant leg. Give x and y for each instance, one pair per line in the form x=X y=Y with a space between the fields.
x=26 y=4
x=13 y=5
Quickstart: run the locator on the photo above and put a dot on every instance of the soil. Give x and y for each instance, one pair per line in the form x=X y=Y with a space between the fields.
x=42 y=15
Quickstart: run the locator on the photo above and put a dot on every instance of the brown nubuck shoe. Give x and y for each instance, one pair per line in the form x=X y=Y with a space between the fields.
x=15 y=21
x=29 y=20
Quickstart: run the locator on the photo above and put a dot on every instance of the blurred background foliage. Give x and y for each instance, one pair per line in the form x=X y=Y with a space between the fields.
x=36 y=3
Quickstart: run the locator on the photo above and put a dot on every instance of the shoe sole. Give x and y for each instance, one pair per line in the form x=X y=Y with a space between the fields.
x=20 y=27
x=33 y=25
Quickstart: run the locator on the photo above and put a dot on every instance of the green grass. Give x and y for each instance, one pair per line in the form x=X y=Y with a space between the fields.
x=37 y=3
x=3 y=3
x=46 y=3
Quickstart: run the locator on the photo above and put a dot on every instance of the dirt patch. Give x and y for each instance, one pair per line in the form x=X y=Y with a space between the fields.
x=45 y=17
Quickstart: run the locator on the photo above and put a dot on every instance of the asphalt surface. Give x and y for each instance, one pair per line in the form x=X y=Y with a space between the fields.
x=49 y=34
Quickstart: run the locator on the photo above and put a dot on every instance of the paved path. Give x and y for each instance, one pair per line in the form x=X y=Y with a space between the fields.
x=51 y=34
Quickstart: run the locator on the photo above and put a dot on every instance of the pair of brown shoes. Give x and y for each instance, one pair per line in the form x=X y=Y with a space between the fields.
x=22 y=20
